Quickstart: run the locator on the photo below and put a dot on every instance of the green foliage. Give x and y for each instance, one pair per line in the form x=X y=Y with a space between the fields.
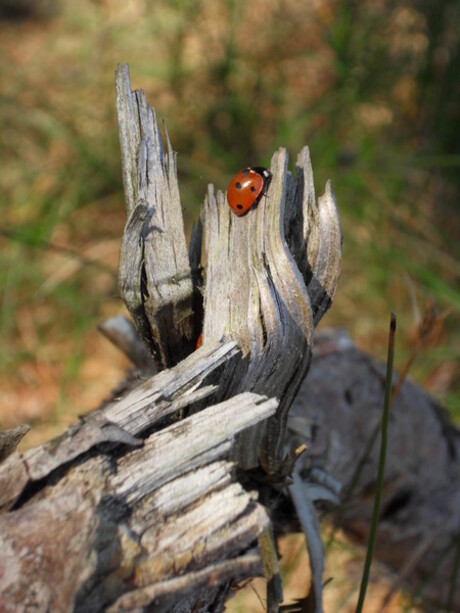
x=370 y=87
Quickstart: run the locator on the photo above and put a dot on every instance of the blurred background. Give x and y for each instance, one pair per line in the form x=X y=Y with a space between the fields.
x=372 y=87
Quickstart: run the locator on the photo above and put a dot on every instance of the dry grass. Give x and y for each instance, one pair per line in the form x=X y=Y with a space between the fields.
x=343 y=571
x=235 y=81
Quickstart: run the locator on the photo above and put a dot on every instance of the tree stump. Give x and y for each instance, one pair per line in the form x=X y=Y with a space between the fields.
x=266 y=278
x=137 y=506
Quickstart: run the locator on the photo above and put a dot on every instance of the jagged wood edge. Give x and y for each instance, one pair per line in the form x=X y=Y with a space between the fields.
x=120 y=421
x=10 y=439
x=256 y=291
x=124 y=512
x=155 y=276
x=318 y=248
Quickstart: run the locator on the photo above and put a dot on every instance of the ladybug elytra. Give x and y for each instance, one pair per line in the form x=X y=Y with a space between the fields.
x=246 y=188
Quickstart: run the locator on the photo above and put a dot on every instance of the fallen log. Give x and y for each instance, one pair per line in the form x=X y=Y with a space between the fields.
x=337 y=413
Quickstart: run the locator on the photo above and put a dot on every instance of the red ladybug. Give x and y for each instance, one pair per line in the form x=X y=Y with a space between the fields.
x=246 y=188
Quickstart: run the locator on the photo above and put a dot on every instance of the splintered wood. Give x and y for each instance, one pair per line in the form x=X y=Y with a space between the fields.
x=266 y=278
x=138 y=507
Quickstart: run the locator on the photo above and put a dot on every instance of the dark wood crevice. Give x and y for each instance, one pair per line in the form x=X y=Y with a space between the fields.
x=158 y=460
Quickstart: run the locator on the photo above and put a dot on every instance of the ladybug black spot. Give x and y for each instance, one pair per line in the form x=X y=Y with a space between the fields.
x=253 y=189
x=239 y=206
x=238 y=185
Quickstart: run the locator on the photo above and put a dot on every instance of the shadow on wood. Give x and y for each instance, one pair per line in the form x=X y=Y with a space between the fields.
x=137 y=506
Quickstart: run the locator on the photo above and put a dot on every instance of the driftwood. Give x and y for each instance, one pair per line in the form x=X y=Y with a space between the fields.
x=137 y=506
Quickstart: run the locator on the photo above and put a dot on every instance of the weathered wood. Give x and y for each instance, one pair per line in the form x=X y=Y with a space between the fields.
x=268 y=276
x=308 y=520
x=118 y=422
x=118 y=521
x=10 y=439
x=337 y=412
x=256 y=291
x=69 y=531
x=154 y=273
x=140 y=495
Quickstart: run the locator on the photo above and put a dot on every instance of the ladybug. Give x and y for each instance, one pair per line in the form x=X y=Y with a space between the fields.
x=246 y=189
x=199 y=342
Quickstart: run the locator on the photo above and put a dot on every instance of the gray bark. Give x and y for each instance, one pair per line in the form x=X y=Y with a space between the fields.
x=137 y=506
x=337 y=413
x=101 y=518
x=74 y=532
x=268 y=277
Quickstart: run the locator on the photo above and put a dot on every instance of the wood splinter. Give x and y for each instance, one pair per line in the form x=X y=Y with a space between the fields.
x=268 y=277
x=137 y=506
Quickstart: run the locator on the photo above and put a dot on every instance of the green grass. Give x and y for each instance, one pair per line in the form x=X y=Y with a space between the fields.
x=372 y=88
x=381 y=466
x=233 y=86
